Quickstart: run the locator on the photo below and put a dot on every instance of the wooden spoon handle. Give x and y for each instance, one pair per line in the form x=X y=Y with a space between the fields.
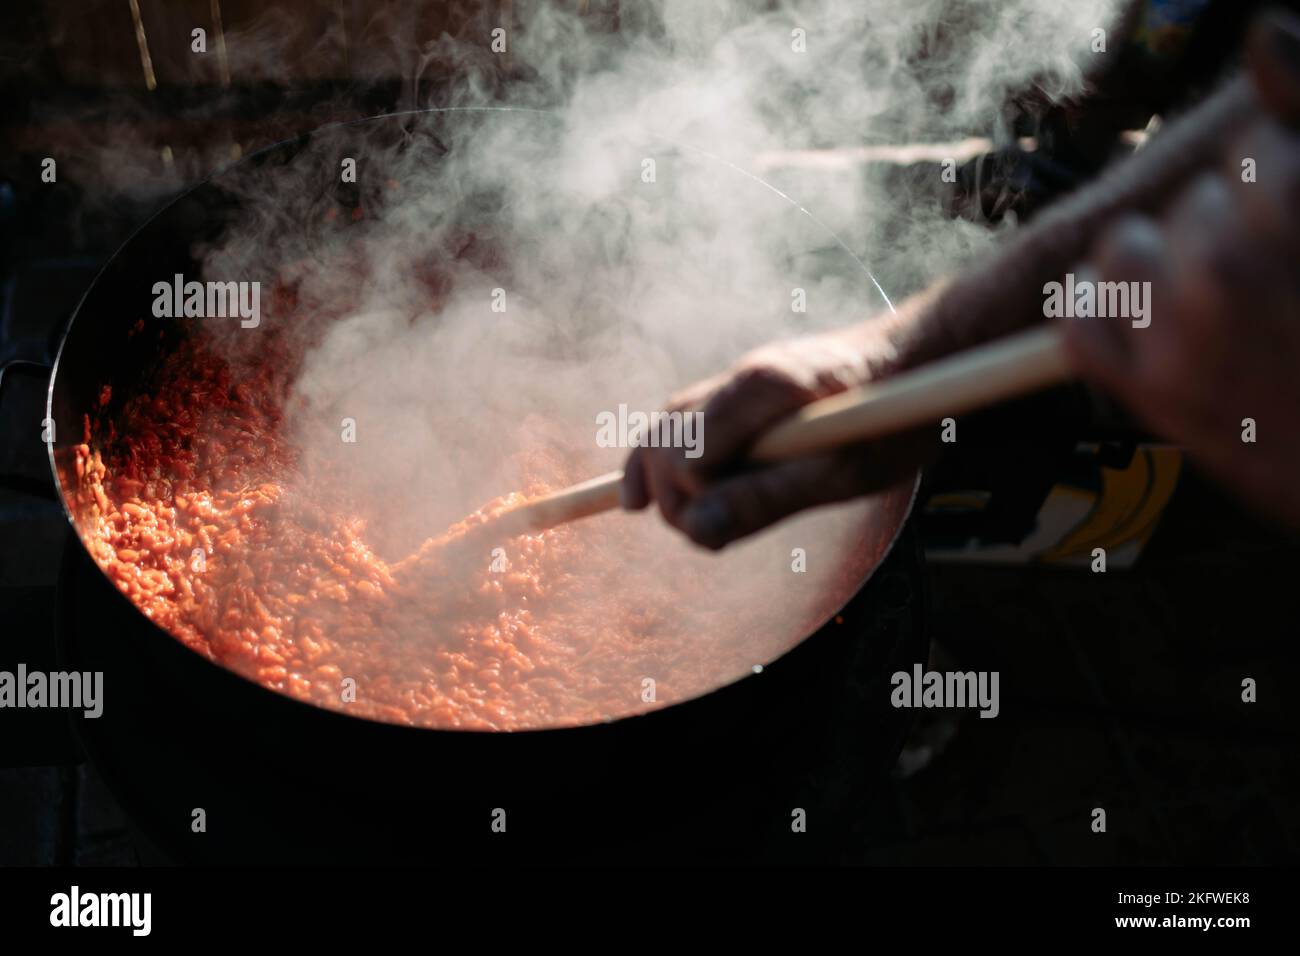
x=1008 y=367
x=591 y=497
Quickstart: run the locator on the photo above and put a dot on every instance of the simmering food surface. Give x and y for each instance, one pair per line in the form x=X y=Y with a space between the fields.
x=194 y=503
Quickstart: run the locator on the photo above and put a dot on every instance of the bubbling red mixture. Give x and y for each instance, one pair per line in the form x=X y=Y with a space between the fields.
x=194 y=504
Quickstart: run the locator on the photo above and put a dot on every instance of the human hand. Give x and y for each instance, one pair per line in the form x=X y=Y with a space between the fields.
x=1223 y=343
x=719 y=497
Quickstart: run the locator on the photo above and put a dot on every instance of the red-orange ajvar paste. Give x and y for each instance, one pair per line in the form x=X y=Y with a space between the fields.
x=192 y=503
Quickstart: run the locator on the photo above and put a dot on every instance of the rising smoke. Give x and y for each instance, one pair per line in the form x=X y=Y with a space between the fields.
x=612 y=215
x=615 y=289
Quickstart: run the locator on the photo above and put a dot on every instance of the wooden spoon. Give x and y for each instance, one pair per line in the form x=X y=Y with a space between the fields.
x=971 y=380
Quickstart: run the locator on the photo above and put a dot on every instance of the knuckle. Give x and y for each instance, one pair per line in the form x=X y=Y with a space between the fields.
x=743 y=503
x=1132 y=240
x=671 y=511
x=776 y=388
x=1209 y=193
x=759 y=375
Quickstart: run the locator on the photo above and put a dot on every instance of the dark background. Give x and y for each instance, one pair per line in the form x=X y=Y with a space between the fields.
x=1120 y=690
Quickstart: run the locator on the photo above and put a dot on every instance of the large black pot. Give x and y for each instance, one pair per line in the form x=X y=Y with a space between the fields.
x=277 y=779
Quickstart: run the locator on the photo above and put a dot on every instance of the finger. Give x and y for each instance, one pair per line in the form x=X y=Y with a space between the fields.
x=1206 y=259
x=661 y=482
x=1229 y=273
x=695 y=395
x=741 y=505
x=633 y=490
x=1273 y=55
x=1268 y=198
x=740 y=411
x=1098 y=349
x=1105 y=350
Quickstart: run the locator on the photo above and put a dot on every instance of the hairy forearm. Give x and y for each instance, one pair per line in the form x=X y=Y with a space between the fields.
x=1004 y=291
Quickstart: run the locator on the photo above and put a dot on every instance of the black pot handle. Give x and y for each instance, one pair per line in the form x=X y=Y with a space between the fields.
x=16 y=363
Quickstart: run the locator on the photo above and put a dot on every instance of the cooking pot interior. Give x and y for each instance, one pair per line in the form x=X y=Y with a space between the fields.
x=614 y=288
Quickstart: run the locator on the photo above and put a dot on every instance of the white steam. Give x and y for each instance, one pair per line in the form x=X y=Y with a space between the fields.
x=617 y=290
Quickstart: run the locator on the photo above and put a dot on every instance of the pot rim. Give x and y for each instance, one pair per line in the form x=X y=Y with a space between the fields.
x=900 y=487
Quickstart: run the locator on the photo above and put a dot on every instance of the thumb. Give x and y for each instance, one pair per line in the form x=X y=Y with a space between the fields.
x=1099 y=349
x=1105 y=351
